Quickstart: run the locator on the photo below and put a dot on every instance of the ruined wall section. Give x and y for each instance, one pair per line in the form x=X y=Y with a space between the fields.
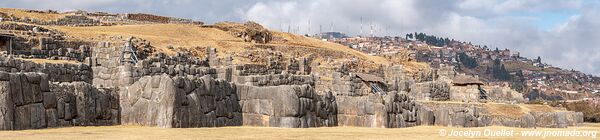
x=29 y=101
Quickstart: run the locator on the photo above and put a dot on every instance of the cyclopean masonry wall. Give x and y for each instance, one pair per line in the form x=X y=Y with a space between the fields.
x=358 y=106
x=166 y=101
x=386 y=111
x=29 y=101
x=108 y=70
x=286 y=106
x=479 y=115
x=66 y=72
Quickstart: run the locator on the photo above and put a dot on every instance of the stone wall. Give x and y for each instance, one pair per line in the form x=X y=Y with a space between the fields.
x=61 y=72
x=29 y=41
x=206 y=102
x=388 y=111
x=93 y=106
x=108 y=71
x=105 y=65
x=468 y=93
x=504 y=94
x=479 y=115
x=349 y=85
x=432 y=90
x=159 y=19
x=255 y=69
x=29 y=101
x=166 y=101
x=275 y=80
x=287 y=106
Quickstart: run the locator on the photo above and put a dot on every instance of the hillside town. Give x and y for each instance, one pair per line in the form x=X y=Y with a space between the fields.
x=536 y=78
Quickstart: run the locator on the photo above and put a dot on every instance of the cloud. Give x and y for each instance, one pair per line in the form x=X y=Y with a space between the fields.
x=576 y=43
x=205 y=10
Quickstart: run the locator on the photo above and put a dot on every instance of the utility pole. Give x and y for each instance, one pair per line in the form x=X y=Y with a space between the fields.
x=371 y=29
x=320 y=29
x=361 y=26
x=308 y=27
x=331 y=30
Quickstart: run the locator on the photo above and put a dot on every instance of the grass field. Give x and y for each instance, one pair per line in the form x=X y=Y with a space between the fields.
x=146 y=133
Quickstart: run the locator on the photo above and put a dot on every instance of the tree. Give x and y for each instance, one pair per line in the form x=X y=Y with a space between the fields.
x=499 y=71
x=467 y=61
x=409 y=35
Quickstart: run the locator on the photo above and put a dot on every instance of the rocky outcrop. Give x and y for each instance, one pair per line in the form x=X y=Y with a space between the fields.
x=287 y=106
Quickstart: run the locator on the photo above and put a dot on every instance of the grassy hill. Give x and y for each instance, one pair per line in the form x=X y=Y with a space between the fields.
x=170 y=38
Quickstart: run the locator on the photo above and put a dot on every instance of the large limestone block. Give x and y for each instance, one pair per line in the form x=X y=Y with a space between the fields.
x=50 y=100
x=38 y=116
x=286 y=102
x=156 y=110
x=16 y=89
x=6 y=106
x=52 y=117
x=4 y=76
x=26 y=90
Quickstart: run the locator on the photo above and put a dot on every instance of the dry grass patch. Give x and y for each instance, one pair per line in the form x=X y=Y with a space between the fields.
x=40 y=61
x=192 y=36
x=262 y=133
x=32 y=15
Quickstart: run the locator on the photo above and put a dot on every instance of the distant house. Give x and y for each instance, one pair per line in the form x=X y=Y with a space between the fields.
x=463 y=80
x=467 y=88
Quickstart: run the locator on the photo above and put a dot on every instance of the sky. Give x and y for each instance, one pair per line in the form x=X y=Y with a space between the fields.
x=564 y=33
